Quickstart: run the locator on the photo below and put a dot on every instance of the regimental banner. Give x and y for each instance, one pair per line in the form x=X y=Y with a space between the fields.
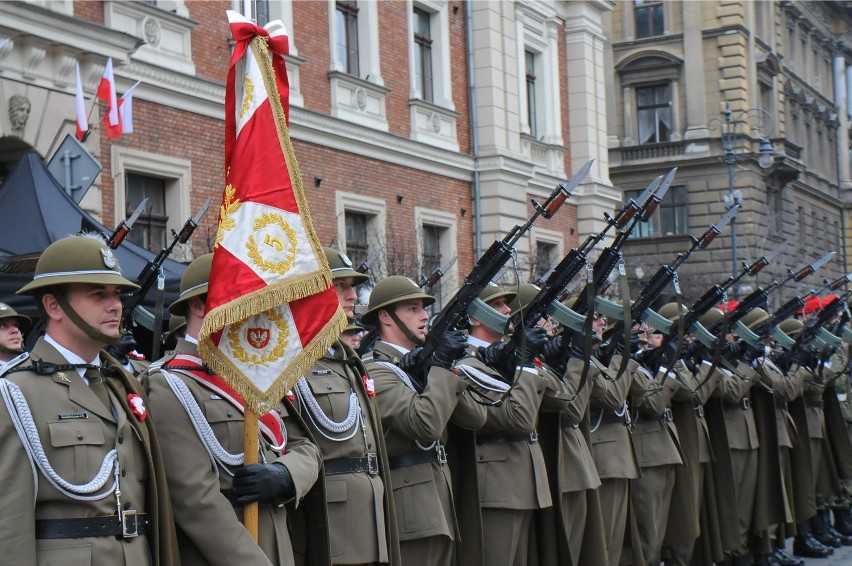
x=271 y=306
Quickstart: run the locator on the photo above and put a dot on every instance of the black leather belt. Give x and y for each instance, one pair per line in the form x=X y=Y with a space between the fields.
x=132 y=525
x=818 y=404
x=437 y=454
x=368 y=463
x=501 y=437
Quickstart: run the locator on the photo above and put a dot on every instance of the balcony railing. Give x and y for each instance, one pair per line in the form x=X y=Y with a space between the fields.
x=654 y=151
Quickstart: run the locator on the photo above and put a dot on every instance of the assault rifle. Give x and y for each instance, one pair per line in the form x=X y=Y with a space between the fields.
x=665 y=275
x=557 y=278
x=364 y=266
x=759 y=297
x=454 y=314
x=153 y=268
x=125 y=226
x=789 y=308
x=707 y=301
x=625 y=222
x=427 y=283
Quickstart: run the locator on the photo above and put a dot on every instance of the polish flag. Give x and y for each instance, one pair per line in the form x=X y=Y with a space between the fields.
x=106 y=92
x=82 y=120
x=125 y=110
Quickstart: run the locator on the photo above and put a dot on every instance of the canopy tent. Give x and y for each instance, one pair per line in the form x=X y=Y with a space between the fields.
x=35 y=211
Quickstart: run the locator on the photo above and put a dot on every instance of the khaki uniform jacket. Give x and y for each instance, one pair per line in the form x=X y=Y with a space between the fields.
x=361 y=514
x=76 y=432
x=422 y=492
x=654 y=435
x=577 y=469
x=512 y=475
x=611 y=439
x=209 y=527
x=735 y=392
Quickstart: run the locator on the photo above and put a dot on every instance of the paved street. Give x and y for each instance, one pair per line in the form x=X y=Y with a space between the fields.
x=841 y=557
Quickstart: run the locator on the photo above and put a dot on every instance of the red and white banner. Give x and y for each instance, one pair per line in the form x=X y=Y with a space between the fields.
x=125 y=109
x=271 y=306
x=80 y=106
x=107 y=93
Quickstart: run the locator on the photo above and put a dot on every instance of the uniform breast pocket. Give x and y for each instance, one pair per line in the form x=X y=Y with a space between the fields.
x=332 y=394
x=226 y=422
x=62 y=553
x=416 y=499
x=78 y=448
x=491 y=466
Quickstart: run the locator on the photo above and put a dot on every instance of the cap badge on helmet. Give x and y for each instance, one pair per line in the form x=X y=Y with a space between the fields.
x=345 y=259
x=109 y=259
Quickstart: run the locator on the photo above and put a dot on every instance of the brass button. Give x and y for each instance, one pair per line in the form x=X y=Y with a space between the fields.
x=328 y=387
x=230 y=414
x=79 y=435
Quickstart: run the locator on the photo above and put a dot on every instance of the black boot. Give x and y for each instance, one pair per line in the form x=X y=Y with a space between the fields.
x=784 y=558
x=819 y=528
x=806 y=546
x=843 y=520
x=740 y=560
x=761 y=560
x=845 y=540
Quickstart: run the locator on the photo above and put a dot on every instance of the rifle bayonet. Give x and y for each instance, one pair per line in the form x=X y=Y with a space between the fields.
x=562 y=192
x=125 y=226
x=364 y=266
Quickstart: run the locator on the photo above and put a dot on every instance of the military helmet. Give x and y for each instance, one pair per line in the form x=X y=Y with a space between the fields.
x=711 y=318
x=176 y=324
x=791 y=326
x=669 y=311
x=77 y=259
x=8 y=312
x=353 y=326
x=341 y=266
x=193 y=283
x=493 y=291
x=392 y=290
x=754 y=318
x=526 y=293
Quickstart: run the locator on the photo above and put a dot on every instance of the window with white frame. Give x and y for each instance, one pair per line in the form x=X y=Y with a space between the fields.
x=164 y=180
x=648 y=15
x=436 y=239
x=346 y=35
x=433 y=114
x=538 y=72
x=545 y=253
x=532 y=96
x=361 y=228
x=654 y=113
x=672 y=218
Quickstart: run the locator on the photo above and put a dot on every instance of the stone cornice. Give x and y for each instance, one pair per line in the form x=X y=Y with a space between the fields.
x=185 y=92
x=320 y=129
x=21 y=19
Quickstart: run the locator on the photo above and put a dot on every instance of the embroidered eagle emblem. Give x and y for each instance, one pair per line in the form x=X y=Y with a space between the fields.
x=258 y=337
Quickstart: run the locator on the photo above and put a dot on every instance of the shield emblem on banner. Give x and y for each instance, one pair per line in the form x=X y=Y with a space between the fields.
x=258 y=337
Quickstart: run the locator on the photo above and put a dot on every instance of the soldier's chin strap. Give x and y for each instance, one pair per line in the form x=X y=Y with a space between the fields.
x=90 y=331
x=416 y=340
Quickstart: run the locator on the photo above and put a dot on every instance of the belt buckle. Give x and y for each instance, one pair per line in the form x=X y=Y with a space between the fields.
x=442 y=453
x=129 y=523
x=534 y=436
x=699 y=410
x=372 y=464
x=746 y=403
x=667 y=415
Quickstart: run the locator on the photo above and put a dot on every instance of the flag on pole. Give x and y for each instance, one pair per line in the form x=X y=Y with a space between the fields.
x=125 y=109
x=80 y=104
x=271 y=307
x=106 y=92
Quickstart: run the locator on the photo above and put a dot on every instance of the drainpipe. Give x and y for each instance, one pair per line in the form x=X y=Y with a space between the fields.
x=474 y=134
x=841 y=96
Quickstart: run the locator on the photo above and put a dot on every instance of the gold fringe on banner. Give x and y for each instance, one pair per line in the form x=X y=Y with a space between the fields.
x=262 y=402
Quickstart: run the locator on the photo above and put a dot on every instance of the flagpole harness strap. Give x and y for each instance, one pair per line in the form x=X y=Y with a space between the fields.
x=219 y=457
x=22 y=419
x=321 y=421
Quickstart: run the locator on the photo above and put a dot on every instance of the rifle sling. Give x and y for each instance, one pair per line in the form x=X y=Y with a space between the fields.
x=627 y=317
x=717 y=355
x=680 y=324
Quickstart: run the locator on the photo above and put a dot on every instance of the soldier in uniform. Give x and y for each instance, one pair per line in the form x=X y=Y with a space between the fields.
x=336 y=399
x=200 y=419
x=415 y=417
x=511 y=471
x=12 y=328
x=80 y=460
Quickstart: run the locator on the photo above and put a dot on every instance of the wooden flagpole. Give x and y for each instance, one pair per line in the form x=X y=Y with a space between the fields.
x=250 y=454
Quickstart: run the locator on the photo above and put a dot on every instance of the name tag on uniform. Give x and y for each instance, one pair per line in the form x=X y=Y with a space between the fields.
x=321 y=372
x=69 y=416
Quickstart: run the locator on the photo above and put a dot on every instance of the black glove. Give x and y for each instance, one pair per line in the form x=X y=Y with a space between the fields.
x=265 y=483
x=123 y=347
x=532 y=341
x=500 y=356
x=733 y=350
x=409 y=360
x=751 y=353
x=451 y=348
x=552 y=351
